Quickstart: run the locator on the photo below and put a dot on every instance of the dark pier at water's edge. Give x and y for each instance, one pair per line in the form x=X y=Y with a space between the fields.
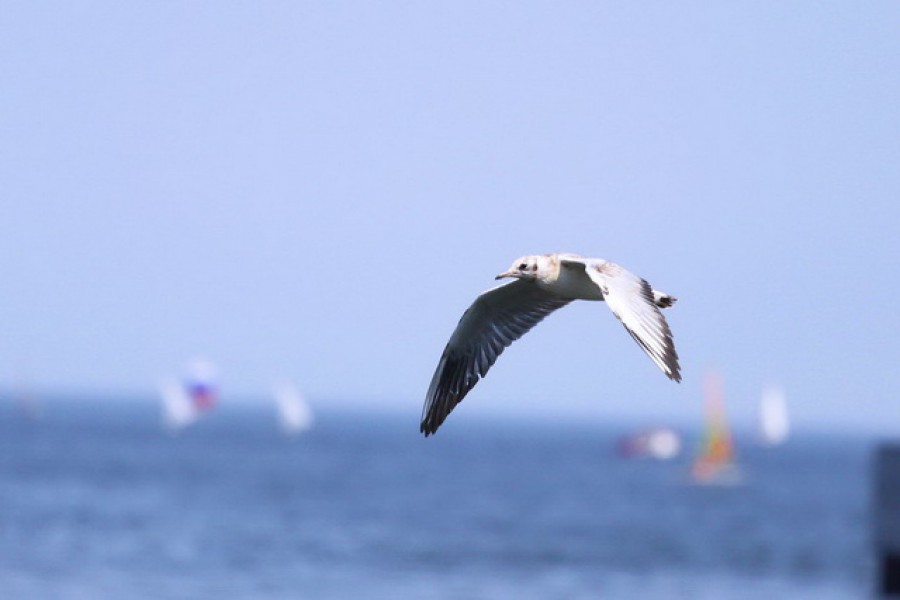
x=886 y=519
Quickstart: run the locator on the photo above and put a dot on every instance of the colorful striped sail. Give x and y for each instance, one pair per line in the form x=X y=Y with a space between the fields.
x=185 y=401
x=717 y=450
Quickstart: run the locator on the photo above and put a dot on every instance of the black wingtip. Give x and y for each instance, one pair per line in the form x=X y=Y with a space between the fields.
x=672 y=368
x=431 y=424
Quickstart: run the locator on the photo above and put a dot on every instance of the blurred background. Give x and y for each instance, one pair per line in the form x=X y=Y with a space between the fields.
x=236 y=236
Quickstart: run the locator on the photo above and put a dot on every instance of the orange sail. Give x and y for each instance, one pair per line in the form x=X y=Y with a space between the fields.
x=717 y=452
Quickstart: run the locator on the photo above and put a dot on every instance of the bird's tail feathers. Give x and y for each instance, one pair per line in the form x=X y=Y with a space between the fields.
x=663 y=300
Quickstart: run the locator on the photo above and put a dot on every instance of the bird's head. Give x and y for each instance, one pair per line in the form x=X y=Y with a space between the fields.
x=525 y=267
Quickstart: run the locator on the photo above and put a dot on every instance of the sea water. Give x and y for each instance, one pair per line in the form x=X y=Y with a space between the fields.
x=96 y=501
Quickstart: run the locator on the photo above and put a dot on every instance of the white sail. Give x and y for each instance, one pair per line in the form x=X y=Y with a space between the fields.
x=661 y=443
x=294 y=414
x=774 y=423
x=664 y=444
x=177 y=409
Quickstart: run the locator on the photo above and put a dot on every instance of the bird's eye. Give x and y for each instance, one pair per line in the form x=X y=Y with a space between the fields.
x=523 y=266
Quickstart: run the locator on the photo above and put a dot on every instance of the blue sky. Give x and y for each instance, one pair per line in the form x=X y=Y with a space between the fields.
x=318 y=191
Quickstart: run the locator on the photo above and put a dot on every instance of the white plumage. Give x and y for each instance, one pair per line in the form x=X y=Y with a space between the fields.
x=543 y=284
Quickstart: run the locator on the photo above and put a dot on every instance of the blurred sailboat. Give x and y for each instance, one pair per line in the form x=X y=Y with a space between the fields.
x=294 y=413
x=715 y=462
x=661 y=443
x=29 y=406
x=185 y=401
x=774 y=422
x=26 y=401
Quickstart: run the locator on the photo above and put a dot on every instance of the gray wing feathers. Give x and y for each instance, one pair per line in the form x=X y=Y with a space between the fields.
x=495 y=320
x=632 y=301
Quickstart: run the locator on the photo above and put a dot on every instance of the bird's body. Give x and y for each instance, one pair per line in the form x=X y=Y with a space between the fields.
x=544 y=283
x=563 y=279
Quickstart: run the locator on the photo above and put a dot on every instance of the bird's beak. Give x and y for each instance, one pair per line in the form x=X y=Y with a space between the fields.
x=505 y=274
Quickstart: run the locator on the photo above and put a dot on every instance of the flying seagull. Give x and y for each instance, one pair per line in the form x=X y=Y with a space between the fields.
x=501 y=315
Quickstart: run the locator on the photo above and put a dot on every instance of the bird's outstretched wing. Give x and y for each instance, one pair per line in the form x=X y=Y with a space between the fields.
x=496 y=319
x=631 y=300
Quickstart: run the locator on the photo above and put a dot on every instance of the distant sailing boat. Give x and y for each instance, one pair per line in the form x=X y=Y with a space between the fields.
x=29 y=406
x=715 y=461
x=774 y=423
x=27 y=402
x=661 y=443
x=294 y=414
x=184 y=402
